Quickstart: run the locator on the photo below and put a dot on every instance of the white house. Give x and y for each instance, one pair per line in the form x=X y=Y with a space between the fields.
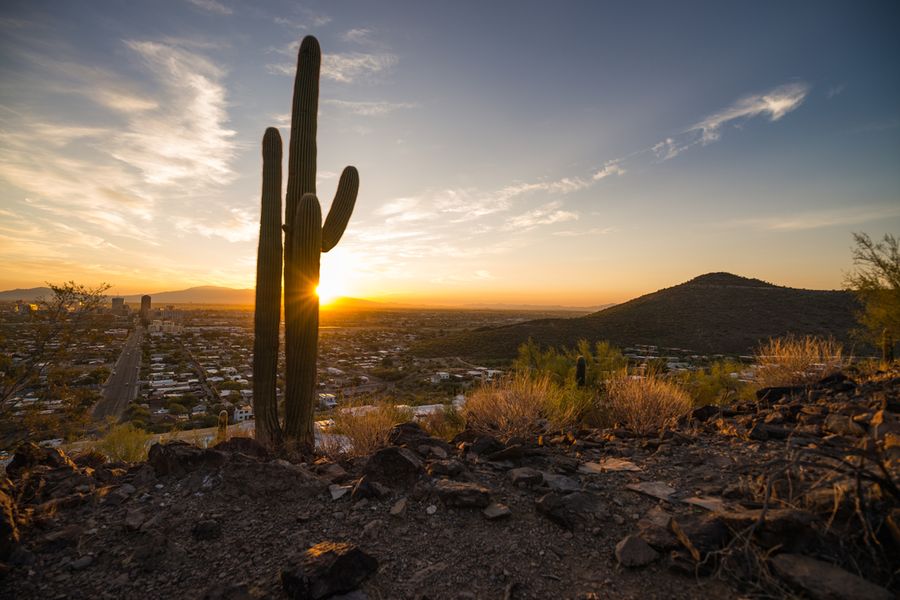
x=243 y=413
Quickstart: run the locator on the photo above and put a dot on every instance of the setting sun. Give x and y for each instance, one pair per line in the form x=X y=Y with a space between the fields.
x=327 y=293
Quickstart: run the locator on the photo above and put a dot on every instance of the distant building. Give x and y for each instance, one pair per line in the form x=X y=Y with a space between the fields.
x=145 y=309
x=243 y=413
x=118 y=305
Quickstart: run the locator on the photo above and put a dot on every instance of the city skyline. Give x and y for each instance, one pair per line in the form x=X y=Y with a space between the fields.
x=529 y=155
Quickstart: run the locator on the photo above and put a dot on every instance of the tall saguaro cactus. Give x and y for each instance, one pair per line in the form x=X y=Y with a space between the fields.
x=305 y=239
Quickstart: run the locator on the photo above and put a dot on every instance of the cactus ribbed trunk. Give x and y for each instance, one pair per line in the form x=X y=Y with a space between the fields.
x=302 y=333
x=267 y=315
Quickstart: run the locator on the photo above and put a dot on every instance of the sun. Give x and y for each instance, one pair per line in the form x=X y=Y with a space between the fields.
x=327 y=293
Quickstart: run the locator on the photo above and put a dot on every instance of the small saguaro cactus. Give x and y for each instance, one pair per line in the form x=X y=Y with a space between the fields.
x=580 y=372
x=222 y=429
x=887 y=347
x=305 y=238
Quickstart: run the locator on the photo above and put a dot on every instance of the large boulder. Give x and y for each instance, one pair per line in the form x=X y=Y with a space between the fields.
x=180 y=458
x=394 y=466
x=327 y=569
x=824 y=581
x=30 y=455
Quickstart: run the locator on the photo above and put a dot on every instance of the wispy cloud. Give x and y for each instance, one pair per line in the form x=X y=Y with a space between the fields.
x=835 y=90
x=213 y=6
x=344 y=68
x=238 y=225
x=819 y=219
x=360 y=35
x=548 y=214
x=591 y=231
x=369 y=109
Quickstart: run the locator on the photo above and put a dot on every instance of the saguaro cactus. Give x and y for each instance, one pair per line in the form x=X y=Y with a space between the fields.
x=580 y=372
x=305 y=239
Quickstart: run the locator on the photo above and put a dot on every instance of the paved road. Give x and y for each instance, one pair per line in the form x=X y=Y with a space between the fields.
x=123 y=385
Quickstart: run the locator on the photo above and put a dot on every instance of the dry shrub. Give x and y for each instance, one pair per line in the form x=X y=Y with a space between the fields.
x=444 y=424
x=362 y=432
x=647 y=404
x=516 y=405
x=797 y=360
x=125 y=442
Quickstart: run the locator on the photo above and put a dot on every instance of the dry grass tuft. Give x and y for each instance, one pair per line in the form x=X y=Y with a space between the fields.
x=516 y=405
x=445 y=424
x=124 y=442
x=647 y=404
x=797 y=360
x=364 y=429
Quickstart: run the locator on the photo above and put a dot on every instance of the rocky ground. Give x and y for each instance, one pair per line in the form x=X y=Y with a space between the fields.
x=793 y=495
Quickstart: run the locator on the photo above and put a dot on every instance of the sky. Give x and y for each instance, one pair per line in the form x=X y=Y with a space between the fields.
x=573 y=153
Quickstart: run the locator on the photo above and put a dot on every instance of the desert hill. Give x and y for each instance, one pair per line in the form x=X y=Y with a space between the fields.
x=712 y=313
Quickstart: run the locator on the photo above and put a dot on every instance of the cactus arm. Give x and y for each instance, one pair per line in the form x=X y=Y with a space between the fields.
x=302 y=332
x=341 y=209
x=267 y=312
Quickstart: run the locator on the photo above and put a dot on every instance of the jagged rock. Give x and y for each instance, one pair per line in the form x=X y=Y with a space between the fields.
x=399 y=507
x=394 y=466
x=446 y=468
x=327 y=569
x=179 y=458
x=656 y=489
x=208 y=529
x=462 y=494
x=704 y=413
x=843 y=425
x=784 y=527
x=82 y=563
x=762 y=431
x=525 y=476
x=511 y=452
x=495 y=511
x=91 y=458
x=407 y=434
x=560 y=483
x=567 y=510
x=774 y=394
x=134 y=518
x=365 y=488
x=486 y=444
x=825 y=581
x=9 y=531
x=339 y=491
x=699 y=534
x=632 y=551
x=29 y=455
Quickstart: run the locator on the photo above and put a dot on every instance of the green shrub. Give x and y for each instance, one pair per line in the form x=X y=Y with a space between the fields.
x=715 y=384
x=124 y=442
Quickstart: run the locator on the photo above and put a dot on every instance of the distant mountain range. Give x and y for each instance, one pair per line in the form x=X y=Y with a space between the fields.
x=713 y=313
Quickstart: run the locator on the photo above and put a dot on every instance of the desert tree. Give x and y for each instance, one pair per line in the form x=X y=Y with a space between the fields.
x=51 y=328
x=875 y=279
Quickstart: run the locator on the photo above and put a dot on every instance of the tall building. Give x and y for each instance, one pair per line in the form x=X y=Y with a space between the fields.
x=118 y=305
x=145 y=309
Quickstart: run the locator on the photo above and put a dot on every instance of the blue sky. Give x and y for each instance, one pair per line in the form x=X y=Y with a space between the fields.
x=572 y=152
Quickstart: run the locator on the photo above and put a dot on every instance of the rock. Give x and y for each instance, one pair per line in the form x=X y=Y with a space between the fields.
x=762 y=431
x=81 y=563
x=327 y=569
x=632 y=551
x=134 y=518
x=656 y=489
x=825 y=581
x=843 y=425
x=339 y=491
x=399 y=508
x=710 y=503
x=462 y=494
x=30 y=455
x=208 y=529
x=371 y=527
x=486 y=444
x=446 y=468
x=560 y=483
x=431 y=509
x=9 y=531
x=407 y=434
x=699 y=534
x=365 y=488
x=525 y=476
x=244 y=445
x=608 y=465
x=180 y=458
x=332 y=472
x=568 y=511
x=511 y=452
x=394 y=466
x=704 y=413
x=659 y=537
x=495 y=511
x=788 y=528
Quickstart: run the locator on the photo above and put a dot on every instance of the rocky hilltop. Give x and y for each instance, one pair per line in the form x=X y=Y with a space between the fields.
x=712 y=313
x=796 y=493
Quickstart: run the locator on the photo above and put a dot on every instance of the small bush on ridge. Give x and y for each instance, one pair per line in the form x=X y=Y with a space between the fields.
x=647 y=404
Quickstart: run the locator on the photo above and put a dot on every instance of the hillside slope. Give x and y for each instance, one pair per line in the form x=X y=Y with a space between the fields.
x=713 y=313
